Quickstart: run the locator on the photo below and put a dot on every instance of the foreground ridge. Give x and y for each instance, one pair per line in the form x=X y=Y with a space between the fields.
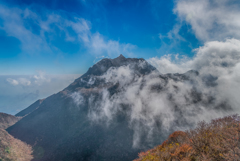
x=12 y=149
x=217 y=140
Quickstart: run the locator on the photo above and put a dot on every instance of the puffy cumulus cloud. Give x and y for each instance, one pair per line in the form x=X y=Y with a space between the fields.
x=218 y=60
x=214 y=57
x=217 y=24
x=211 y=19
x=170 y=63
x=38 y=32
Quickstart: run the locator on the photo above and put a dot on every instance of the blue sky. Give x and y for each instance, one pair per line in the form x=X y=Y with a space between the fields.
x=67 y=37
x=46 y=44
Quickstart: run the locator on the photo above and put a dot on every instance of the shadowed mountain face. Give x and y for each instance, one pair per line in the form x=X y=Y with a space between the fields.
x=61 y=130
x=110 y=112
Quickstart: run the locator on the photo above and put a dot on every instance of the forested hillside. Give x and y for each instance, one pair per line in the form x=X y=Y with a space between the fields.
x=12 y=149
x=214 y=141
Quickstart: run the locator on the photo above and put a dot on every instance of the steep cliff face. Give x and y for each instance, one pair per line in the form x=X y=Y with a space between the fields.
x=110 y=112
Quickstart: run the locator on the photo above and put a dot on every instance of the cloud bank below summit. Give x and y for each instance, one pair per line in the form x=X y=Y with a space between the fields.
x=216 y=23
x=177 y=105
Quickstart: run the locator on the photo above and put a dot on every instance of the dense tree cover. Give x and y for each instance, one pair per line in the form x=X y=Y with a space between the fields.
x=214 y=141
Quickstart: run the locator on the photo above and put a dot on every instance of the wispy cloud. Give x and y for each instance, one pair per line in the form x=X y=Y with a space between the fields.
x=38 y=32
x=12 y=81
x=14 y=20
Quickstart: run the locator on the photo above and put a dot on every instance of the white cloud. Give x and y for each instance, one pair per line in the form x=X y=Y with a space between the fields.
x=220 y=59
x=175 y=106
x=41 y=78
x=77 y=30
x=13 y=25
x=18 y=92
x=12 y=81
x=211 y=19
x=38 y=79
x=19 y=81
x=24 y=81
x=170 y=64
x=77 y=98
x=111 y=48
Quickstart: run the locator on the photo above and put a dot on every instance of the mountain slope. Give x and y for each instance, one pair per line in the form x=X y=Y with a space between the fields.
x=7 y=120
x=30 y=109
x=217 y=140
x=59 y=125
x=112 y=111
x=12 y=149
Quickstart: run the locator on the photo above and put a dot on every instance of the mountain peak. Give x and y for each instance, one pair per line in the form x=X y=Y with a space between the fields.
x=103 y=65
x=120 y=57
x=138 y=65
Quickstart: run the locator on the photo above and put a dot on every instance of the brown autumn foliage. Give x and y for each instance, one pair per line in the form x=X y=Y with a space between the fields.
x=214 y=141
x=7 y=120
x=12 y=149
